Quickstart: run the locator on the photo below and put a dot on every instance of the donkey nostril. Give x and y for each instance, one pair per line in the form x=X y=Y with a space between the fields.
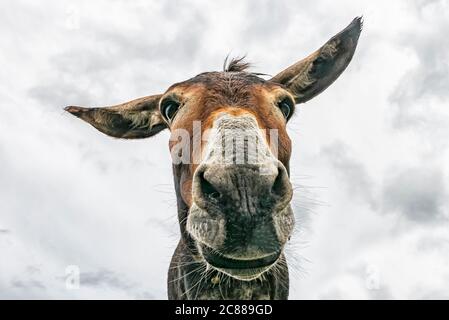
x=214 y=195
x=282 y=188
x=278 y=187
x=208 y=189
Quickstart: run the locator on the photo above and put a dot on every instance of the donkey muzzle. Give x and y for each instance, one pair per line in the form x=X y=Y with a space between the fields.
x=241 y=215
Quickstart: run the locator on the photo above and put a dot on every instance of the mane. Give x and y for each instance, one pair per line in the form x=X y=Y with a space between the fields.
x=237 y=64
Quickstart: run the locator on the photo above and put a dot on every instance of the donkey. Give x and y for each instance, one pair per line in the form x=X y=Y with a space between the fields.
x=235 y=217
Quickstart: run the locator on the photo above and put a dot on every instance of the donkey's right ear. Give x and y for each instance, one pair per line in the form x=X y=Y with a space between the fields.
x=310 y=76
x=135 y=119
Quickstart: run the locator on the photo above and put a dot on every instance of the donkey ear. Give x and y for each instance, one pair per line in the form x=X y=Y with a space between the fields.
x=310 y=76
x=135 y=119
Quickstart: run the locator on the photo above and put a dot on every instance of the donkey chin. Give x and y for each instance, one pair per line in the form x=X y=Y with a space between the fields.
x=241 y=216
x=243 y=249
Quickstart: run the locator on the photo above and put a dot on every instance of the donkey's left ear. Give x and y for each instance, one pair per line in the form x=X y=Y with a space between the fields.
x=310 y=76
x=135 y=119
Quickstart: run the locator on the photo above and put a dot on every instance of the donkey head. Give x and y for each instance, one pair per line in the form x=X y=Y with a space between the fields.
x=231 y=152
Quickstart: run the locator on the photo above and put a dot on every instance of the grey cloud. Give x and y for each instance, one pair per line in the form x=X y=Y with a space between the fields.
x=33 y=269
x=433 y=243
x=59 y=95
x=430 y=78
x=119 y=48
x=112 y=280
x=266 y=18
x=350 y=172
x=104 y=278
x=422 y=4
x=94 y=66
x=419 y=194
x=5 y=231
x=27 y=284
x=382 y=293
x=145 y=296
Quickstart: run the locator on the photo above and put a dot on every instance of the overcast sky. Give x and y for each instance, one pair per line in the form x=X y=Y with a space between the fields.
x=370 y=161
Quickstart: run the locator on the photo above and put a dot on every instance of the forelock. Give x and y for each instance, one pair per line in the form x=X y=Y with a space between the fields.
x=236 y=64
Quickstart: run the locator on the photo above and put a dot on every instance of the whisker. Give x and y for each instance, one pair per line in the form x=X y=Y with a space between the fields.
x=185 y=275
x=191 y=288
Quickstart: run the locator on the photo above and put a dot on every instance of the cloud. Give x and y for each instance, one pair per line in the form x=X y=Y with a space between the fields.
x=426 y=83
x=107 y=280
x=29 y=284
x=103 y=278
x=116 y=53
x=350 y=172
x=419 y=194
x=70 y=196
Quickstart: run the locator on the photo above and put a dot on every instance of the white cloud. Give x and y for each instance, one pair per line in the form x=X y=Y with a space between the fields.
x=70 y=196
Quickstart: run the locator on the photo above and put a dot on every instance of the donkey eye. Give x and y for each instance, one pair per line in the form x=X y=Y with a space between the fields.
x=286 y=107
x=169 y=109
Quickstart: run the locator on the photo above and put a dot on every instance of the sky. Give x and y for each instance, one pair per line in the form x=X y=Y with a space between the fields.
x=370 y=160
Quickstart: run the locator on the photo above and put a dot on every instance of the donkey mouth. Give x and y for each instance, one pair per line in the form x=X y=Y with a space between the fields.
x=220 y=261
